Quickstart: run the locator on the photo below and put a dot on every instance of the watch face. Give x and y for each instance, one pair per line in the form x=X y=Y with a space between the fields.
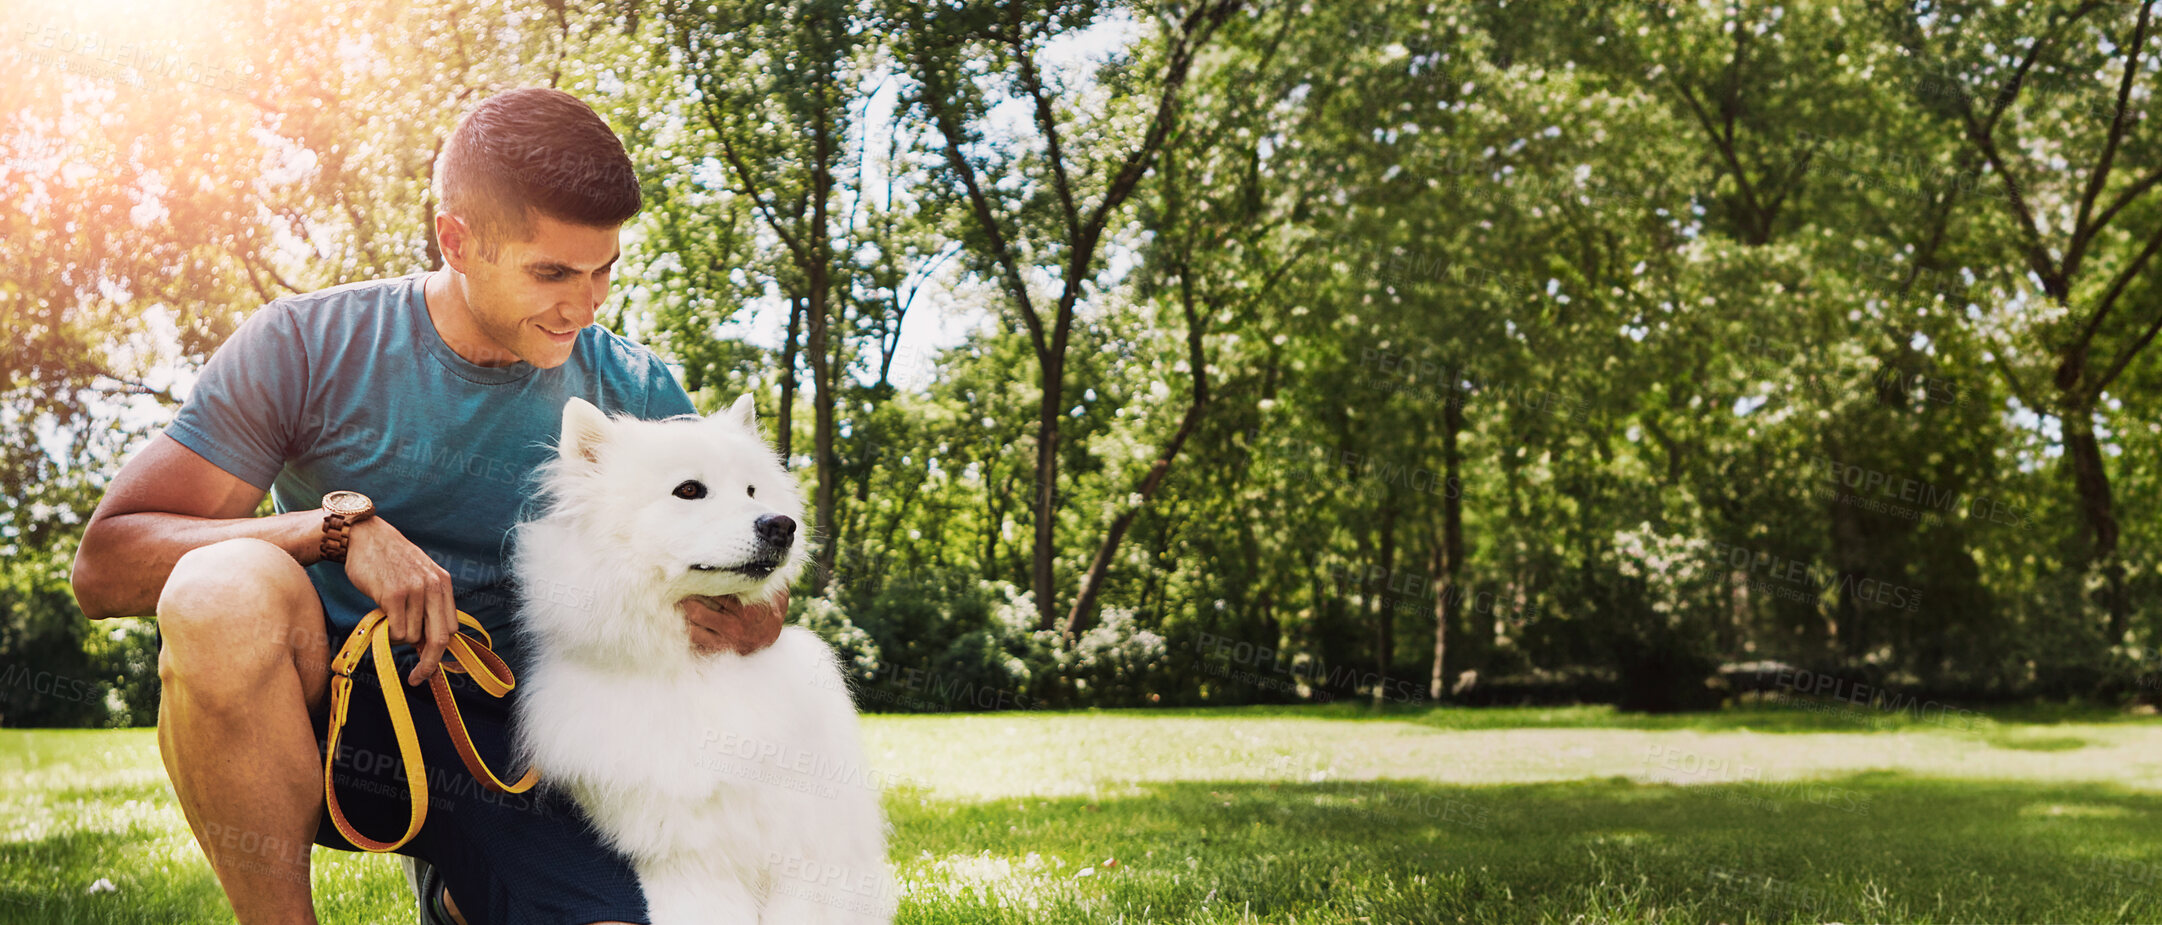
x=346 y=502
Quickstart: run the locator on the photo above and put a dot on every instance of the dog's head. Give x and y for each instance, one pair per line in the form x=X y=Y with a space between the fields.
x=703 y=499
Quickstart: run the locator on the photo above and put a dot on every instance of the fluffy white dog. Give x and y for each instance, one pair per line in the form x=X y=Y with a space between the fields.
x=736 y=784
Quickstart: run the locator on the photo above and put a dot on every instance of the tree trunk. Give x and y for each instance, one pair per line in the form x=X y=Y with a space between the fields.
x=1450 y=551
x=787 y=416
x=1092 y=582
x=1436 y=564
x=1384 y=622
x=2084 y=454
x=1852 y=553
x=1047 y=415
x=823 y=372
x=994 y=519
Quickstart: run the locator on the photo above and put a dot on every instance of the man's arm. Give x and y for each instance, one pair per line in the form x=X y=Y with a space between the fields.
x=168 y=500
x=164 y=502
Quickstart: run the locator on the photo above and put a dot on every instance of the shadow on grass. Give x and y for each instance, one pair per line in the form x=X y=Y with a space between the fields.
x=1879 y=846
x=48 y=881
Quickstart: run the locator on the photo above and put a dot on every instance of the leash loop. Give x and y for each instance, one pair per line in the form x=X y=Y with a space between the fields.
x=372 y=638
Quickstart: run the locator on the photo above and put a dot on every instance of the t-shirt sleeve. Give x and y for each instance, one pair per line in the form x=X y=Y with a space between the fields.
x=665 y=397
x=244 y=412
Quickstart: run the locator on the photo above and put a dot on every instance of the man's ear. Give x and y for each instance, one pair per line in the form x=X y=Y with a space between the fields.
x=743 y=412
x=452 y=239
x=460 y=245
x=585 y=428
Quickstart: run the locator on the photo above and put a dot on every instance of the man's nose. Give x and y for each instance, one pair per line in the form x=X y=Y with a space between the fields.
x=583 y=311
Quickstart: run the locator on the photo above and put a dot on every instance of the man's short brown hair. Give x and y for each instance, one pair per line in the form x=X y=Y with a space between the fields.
x=534 y=150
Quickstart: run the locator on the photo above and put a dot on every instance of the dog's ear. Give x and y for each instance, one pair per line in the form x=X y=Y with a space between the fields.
x=744 y=412
x=585 y=428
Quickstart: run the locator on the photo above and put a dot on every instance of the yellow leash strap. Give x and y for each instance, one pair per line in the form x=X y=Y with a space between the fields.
x=480 y=663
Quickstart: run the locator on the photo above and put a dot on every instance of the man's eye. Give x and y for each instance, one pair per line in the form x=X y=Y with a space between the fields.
x=691 y=490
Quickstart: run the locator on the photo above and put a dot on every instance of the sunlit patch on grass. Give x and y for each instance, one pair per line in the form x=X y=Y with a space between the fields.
x=1623 y=838
x=2074 y=810
x=1030 y=883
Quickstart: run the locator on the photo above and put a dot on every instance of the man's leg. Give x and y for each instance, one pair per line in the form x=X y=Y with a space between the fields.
x=245 y=658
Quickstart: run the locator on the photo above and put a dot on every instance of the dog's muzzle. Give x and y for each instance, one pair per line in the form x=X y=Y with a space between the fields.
x=759 y=568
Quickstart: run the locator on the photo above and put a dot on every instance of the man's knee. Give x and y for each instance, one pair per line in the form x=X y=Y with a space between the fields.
x=239 y=600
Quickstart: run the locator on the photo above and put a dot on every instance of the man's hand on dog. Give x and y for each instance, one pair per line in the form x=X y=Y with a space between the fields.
x=726 y=624
x=414 y=592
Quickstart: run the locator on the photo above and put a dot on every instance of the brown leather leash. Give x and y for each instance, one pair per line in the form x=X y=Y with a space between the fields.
x=478 y=662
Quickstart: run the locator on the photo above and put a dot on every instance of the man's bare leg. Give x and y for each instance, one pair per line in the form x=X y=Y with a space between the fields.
x=245 y=660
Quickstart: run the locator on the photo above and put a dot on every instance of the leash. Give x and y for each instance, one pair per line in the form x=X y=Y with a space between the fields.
x=478 y=662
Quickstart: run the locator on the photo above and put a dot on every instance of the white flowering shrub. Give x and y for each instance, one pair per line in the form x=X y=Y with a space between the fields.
x=824 y=616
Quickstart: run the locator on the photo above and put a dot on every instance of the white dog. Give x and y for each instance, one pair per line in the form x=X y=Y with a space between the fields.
x=736 y=784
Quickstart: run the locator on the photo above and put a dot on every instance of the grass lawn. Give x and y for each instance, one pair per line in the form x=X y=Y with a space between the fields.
x=1334 y=814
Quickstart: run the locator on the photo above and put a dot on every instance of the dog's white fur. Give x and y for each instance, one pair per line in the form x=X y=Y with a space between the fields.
x=736 y=784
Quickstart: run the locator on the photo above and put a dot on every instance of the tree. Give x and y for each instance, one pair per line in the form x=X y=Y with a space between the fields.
x=1051 y=222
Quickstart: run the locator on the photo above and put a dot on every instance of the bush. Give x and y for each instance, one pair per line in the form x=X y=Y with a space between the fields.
x=1653 y=594
x=1116 y=662
x=917 y=648
x=824 y=616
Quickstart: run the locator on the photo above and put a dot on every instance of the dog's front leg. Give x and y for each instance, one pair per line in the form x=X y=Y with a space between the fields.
x=696 y=897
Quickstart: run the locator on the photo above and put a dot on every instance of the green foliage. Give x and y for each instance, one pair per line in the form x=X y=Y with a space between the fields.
x=1455 y=346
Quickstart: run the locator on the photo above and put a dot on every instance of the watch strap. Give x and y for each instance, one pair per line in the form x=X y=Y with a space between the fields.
x=337 y=537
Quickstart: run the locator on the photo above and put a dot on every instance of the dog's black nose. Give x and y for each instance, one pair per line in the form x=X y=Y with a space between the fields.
x=776 y=530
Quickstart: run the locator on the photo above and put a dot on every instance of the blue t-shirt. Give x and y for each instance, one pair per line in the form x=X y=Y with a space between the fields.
x=352 y=388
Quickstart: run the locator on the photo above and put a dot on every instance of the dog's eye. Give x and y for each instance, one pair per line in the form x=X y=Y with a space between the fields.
x=691 y=490
x=751 y=490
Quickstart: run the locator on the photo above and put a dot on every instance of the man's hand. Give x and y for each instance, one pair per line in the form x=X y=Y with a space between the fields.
x=414 y=592
x=727 y=624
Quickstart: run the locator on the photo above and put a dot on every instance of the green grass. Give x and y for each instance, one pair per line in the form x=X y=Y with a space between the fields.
x=1336 y=815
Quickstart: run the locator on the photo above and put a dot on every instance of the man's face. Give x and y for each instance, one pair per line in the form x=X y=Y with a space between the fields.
x=535 y=295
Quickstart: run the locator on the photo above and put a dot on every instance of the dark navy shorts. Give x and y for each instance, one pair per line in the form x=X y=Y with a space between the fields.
x=508 y=858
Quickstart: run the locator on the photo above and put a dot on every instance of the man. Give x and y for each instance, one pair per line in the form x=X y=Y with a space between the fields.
x=432 y=396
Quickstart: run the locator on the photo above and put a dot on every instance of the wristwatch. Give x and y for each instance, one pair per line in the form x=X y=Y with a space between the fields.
x=341 y=510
